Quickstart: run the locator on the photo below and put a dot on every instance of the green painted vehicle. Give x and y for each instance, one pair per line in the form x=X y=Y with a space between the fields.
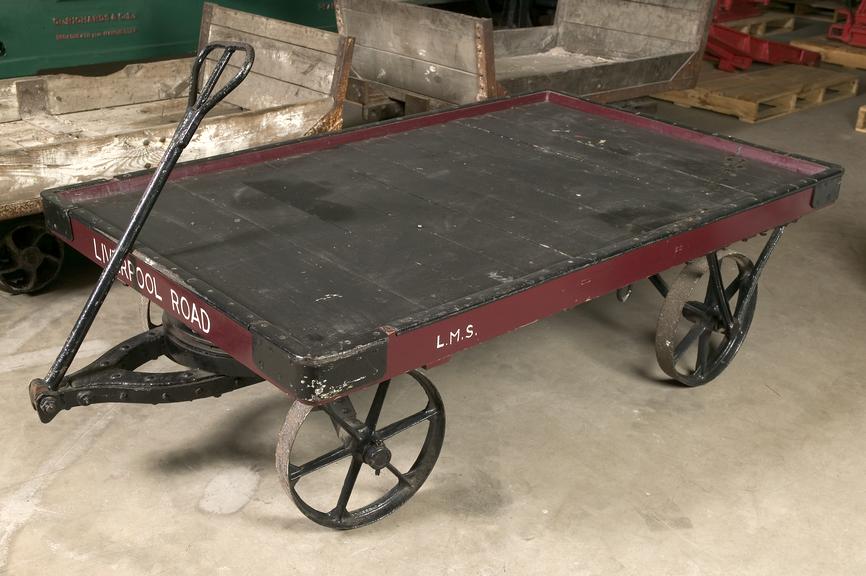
x=42 y=35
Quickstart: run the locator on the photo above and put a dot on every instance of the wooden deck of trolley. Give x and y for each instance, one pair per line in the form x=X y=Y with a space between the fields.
x=341 y=261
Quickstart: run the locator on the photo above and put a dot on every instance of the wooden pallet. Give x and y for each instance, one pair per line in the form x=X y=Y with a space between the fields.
x=861 y=120
x=834 y=52
x=824 y=10
x=767 y=23
x=765 y=94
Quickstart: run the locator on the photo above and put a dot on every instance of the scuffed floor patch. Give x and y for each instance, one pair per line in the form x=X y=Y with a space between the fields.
x=18 y=508
x=229 y=491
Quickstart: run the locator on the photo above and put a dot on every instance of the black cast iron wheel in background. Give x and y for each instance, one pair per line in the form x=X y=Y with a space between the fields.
x=364 y=443
x=30 y=256
x=697 y=340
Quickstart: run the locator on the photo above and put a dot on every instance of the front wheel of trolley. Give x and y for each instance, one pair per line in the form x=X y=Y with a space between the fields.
x=705 y=317
x=368 y=469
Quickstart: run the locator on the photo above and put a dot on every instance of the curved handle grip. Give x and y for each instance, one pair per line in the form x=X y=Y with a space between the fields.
x=202 y=100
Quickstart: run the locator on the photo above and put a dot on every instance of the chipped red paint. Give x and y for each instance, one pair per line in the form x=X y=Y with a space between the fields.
x=422 y=346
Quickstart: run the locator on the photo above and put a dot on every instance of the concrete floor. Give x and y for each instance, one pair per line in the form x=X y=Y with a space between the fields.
x=566 y=452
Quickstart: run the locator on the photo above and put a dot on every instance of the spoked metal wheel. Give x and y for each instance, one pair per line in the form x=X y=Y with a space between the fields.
x=697 y=339
x=30 y=256
x=369 y=470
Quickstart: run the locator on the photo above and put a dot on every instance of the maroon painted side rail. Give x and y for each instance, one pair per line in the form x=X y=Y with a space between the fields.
x=431 y=344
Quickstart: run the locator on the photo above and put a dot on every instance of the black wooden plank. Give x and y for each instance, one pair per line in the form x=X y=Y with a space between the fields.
x=514 y=254
x=587 y=211
x=354 y=234
x=597 y=135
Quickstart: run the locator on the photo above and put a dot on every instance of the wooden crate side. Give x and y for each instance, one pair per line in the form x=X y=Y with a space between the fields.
x=523 y=41
x=428 y=34
x=134 y=84
x=606 y=43
x=632 y=76
x=860 y=126
x=436 y=81
x=681 y=22
x=283 y=61
x=293 y=64
x=26 y=172
x=296 y=34
x=440 y=54
x=8 y=101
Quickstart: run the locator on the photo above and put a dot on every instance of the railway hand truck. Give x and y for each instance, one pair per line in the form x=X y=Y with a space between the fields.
x=337 y=263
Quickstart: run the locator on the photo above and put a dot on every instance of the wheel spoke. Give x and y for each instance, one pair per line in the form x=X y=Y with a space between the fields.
x=699 y=309
x=718 y=290
x=298 y=472
x=10 y=243
x=376 y=406
x=703 y=353
x=406 y=423
x=348 y=485
x=659 y=284
x=734 y=286
x=329 y=410
x=689 y=339
x=400 y=476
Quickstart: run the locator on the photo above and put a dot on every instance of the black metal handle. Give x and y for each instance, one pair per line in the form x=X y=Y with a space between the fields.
x=201 y=99
x=200 y=102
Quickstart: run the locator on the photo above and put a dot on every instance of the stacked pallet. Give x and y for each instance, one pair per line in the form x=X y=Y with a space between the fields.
x=765 y=94
x=834 y=52
x=823 y=10
x=767 y=23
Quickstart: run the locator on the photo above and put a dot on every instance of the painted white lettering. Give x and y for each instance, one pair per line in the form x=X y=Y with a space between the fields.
x=190 y=312
x=205 y=321
x=456 y=336
x=174 y=300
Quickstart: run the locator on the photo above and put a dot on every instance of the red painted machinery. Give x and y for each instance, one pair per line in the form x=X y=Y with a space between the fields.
x=852 y=29
x=733 y=49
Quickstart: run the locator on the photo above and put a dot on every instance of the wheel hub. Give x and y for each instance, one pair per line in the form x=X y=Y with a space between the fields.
x=31 y=257
x=377 y=456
